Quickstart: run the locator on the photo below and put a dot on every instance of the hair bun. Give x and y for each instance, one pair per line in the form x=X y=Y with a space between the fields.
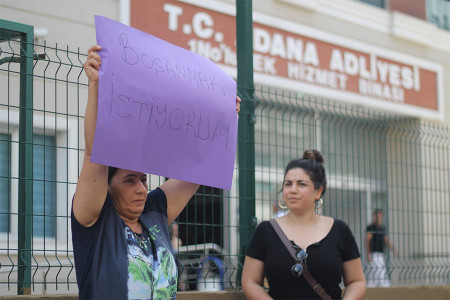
x=313 y=154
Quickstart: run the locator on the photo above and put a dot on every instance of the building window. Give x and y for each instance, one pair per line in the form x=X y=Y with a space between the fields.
x=378 y=3
x=5 y=179
x=44 y=186
x=438 y=12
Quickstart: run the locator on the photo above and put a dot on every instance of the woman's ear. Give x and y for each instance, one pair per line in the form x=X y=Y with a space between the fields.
x=319 y=193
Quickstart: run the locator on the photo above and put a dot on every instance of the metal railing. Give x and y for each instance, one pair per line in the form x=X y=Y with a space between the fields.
x=373 y=160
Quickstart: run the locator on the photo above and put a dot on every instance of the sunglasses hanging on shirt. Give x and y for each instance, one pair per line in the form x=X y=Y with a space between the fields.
x=300 y=256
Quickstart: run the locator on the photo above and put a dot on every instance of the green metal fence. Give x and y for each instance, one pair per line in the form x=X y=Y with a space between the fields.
x=373 y=159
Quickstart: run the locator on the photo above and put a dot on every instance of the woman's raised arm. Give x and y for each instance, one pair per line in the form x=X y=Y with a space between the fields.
x=92 y=185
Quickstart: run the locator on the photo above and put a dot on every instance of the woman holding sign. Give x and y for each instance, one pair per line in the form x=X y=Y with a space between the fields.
x=120 y=234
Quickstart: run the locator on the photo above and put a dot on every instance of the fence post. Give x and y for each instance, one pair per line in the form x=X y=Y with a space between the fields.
x=25 y=161
x=12 y=30
x=246 y=130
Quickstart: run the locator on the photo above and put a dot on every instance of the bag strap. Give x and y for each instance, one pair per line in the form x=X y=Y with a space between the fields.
x=312 y=282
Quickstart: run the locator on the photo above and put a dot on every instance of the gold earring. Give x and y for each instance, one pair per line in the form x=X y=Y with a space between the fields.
x=281 y=206
x=321 y=203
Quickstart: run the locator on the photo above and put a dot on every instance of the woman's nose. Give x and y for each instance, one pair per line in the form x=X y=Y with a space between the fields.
x=294 y=189
x=141 y=188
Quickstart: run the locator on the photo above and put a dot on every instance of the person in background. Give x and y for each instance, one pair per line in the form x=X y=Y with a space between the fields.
x=120 y=234
x=377 y=240
x=176 y=244
x=174 y=236
x=327 y=245
x=278 y=210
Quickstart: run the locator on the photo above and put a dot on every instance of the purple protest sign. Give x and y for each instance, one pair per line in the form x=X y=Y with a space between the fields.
x=163 y=109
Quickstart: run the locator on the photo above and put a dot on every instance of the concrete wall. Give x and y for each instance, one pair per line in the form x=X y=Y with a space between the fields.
x=66 y=22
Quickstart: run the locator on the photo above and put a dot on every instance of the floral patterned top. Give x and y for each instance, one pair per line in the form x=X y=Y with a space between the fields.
x=152 y=272
x=112 y=262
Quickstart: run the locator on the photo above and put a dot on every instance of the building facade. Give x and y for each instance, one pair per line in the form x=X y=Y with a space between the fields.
x=355 y=79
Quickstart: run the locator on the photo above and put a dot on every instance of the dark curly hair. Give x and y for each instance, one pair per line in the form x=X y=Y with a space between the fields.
x=111 y=172
x=312 y=163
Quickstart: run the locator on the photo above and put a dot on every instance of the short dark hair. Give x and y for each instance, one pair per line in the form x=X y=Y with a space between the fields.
x=312 y=164
x=111 y=172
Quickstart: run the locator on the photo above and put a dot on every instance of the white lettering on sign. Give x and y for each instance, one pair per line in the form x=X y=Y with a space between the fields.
x=416 y=78
x=264 y=64
x=174 y=12
x=317 y=76
x=202 y=23
x=379 y=90
x=393 y=74
x=407 y=78
x=294 y=49
x=350 y=63
x=363 y=72
x=261 y=40
x=311 y=56
x=291 y=48
x=216 y=54
x=375 y=77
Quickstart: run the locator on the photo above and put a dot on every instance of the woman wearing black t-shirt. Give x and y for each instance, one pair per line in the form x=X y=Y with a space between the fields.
x=327 y=244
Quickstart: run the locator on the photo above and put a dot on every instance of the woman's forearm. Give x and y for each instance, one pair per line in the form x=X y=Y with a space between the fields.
x=355 y=291
x=254 y=291
x=90 y=121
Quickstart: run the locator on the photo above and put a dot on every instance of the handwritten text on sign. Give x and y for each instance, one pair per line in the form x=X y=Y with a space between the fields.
x=162 y=109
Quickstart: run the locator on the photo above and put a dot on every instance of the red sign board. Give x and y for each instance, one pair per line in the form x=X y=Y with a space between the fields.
x=361 y=73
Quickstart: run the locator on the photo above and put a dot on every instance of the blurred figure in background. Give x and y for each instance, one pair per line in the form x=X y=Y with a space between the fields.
x=176 y=244
x=377 y=240
x=278 y=209
x=174 y=237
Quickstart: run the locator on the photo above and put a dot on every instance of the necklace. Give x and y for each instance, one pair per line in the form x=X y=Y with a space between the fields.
x=140 y=238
